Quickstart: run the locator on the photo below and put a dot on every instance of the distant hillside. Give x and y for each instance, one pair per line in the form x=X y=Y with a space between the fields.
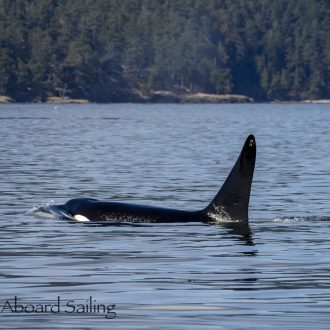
x=124 y=50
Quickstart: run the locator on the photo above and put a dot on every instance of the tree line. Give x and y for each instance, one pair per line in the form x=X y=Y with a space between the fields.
x=121 y=50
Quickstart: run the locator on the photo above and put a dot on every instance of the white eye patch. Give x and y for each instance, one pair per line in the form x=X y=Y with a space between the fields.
x=80 y=218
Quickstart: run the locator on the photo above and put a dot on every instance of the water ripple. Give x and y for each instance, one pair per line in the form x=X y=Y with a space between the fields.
x=176 y=276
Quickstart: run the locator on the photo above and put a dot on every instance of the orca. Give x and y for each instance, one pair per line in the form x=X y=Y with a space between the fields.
x=230 y=204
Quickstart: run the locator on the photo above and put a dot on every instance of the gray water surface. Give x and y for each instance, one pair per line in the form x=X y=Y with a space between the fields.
x=167 y=276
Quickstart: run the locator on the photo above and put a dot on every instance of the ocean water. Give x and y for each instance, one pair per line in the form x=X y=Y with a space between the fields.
x=165 y=276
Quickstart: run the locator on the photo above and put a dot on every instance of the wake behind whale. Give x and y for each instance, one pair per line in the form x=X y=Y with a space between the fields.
x=229 y=205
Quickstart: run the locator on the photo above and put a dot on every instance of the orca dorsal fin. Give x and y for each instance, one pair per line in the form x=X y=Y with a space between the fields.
x=232 y=200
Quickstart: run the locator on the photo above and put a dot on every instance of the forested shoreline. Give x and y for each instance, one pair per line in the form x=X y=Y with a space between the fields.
x=127 y=50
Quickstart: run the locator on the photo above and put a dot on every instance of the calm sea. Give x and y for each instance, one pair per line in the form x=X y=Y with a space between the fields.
x=169 y=276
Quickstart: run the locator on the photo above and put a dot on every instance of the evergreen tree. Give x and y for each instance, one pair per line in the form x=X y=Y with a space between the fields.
x=106 y=50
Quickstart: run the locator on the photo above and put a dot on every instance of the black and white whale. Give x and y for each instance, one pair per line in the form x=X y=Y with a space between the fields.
x=230 y=204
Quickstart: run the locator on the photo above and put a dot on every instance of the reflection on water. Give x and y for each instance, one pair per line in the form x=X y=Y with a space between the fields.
x=273 y=274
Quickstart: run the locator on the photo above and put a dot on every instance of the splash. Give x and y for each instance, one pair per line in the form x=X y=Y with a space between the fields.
x=302 y=219
x=125 y=219
x=42 y=210
x=220 y=216
x=50 y=210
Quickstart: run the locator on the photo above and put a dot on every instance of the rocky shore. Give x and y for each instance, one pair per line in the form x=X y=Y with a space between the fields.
x=155 y=97
x=325 y=101
x=162 y=96
x=170 y=97
x=6 y=99
x=65 y=100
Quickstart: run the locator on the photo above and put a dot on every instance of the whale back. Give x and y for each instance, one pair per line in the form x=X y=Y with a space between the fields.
x=231 y=202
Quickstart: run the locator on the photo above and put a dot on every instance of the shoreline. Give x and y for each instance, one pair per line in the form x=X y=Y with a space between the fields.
x=163 y=97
